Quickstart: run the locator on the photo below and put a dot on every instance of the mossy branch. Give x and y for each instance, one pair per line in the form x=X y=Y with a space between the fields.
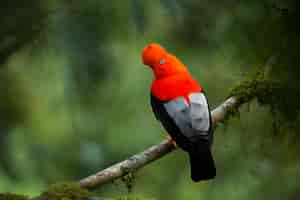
x=149 y=155
x=258 y=87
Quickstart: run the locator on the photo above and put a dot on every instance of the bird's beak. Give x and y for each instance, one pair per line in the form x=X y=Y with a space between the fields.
x=150 y=66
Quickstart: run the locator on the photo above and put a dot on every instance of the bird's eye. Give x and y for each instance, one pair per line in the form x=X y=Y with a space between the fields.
x=162 y=61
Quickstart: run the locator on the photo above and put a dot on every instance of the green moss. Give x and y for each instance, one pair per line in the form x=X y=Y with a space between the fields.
x=267 y=93
x=65 y=191
x=258 y=87
x=129 y=181
x=10 y=196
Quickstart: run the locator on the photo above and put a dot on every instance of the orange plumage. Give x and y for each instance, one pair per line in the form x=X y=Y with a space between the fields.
x=171 y=77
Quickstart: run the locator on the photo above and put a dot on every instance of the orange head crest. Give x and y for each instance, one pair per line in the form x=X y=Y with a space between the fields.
x=152 y=53
x=162 y=63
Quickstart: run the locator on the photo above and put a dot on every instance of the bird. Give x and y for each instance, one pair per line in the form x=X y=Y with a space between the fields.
x=180 y=104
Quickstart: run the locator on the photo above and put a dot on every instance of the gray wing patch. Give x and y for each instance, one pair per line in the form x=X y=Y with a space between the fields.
x=199 y=112
x=179 y=111
x=192 y=120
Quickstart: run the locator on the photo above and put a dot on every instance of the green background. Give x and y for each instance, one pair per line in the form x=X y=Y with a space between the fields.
x=75 y=94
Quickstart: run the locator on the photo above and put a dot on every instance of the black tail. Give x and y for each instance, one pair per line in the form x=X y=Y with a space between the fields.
x=202 y=163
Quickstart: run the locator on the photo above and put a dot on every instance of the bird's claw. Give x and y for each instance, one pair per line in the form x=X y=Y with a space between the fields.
x=169 y=138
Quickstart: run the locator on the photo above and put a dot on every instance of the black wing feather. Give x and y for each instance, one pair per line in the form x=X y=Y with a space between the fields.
x=162 y=115
x=199 y=149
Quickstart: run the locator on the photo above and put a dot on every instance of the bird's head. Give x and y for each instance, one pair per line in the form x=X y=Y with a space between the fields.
x=162 y=63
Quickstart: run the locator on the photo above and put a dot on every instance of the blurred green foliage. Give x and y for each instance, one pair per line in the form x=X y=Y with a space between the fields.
x=75 y=95
x=10 y=196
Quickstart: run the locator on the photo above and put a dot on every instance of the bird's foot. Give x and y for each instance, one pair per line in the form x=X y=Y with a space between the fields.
x=169 y=138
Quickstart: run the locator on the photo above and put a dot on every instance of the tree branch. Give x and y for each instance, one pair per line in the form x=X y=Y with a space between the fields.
x=151 y=154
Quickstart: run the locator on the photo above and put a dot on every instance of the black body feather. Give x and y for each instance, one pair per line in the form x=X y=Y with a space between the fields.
x=198 y=146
